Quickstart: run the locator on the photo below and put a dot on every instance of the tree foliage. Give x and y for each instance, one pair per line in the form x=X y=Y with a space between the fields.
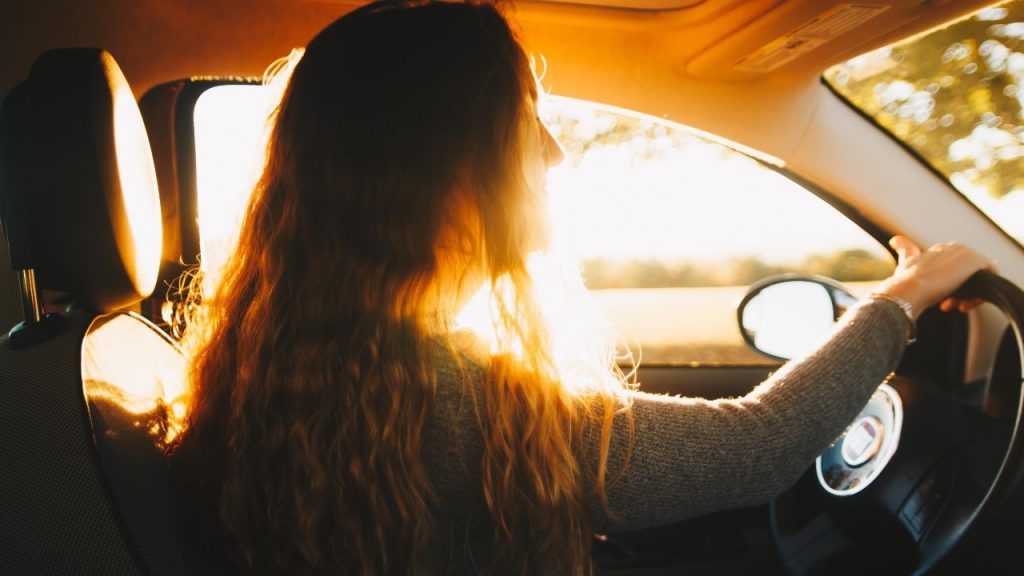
x=580 y=130
x=954 y=95
x=845 y=265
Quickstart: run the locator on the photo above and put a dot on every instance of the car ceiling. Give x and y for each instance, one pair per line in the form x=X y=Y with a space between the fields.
x=680 y=63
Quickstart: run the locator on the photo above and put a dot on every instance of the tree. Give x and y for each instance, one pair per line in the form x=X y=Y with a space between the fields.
x=855 y=265
x=954 y=95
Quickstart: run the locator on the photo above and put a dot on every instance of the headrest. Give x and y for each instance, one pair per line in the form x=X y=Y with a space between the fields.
x=78 y=191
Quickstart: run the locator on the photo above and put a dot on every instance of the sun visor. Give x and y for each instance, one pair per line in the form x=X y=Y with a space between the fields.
x=78 y=189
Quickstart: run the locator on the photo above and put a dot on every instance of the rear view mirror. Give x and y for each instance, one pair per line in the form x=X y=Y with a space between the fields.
x=787 y=316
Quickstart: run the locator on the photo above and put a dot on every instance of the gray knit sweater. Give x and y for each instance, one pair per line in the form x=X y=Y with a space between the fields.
x=691 y=456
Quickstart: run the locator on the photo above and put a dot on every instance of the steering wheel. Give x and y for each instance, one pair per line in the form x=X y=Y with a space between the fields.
x=913 y=478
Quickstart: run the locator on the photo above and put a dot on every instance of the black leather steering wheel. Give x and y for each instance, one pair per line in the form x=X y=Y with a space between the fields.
x=953 y=469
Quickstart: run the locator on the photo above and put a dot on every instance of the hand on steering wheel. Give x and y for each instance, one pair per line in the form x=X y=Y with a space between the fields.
x=955 y=468
x=926 y=278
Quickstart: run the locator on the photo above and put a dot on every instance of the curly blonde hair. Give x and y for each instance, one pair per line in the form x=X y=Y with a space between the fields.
x=399 y=159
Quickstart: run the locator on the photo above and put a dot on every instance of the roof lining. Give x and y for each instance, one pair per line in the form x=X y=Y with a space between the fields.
x=645 y=5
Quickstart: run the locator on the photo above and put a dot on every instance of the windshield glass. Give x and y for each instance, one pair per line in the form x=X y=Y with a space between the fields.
x=954 y=95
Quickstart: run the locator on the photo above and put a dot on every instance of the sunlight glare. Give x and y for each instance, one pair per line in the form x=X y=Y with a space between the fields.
x=614 y=204
x=139 y=190
x=578 y=329
x=129 y=364
x=230 y=133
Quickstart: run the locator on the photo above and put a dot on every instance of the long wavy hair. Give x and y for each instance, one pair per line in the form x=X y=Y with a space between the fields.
x=401 y=169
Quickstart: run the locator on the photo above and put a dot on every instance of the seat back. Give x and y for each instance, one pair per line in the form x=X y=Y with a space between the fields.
x=56 y=514
x=84 y=488
x=132 y=373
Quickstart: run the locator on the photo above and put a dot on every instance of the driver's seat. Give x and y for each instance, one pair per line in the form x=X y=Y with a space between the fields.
x=84 y=393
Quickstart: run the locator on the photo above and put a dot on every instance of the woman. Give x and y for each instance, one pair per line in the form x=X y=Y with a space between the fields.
x=337 y=424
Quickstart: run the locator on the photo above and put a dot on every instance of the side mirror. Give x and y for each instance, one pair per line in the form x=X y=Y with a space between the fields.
x=787 y=316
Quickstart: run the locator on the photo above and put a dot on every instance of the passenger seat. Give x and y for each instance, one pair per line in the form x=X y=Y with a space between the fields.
x=86 y=392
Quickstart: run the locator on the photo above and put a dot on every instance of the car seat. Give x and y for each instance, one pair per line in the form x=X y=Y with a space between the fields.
x=86 y=394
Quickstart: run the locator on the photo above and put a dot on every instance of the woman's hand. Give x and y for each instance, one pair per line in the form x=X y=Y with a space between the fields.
x=927 y=278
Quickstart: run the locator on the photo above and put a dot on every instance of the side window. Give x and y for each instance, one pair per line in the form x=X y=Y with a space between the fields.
x=671 y=228
x=230 y=124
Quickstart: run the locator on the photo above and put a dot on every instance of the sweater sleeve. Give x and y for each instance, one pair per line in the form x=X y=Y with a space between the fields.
x=692 y=456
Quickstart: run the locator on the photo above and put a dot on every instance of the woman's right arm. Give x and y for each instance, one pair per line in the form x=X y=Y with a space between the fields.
x=691 y=456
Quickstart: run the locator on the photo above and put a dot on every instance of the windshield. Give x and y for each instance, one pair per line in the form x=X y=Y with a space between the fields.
x=954 y=95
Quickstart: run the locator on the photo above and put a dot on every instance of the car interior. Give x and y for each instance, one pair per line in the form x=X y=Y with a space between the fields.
x=101 y=193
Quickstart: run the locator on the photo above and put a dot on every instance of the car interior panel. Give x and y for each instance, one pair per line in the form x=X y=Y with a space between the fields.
x=101 y=201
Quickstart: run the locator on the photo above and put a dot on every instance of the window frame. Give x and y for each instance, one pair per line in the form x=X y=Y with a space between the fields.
x=186 y=93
